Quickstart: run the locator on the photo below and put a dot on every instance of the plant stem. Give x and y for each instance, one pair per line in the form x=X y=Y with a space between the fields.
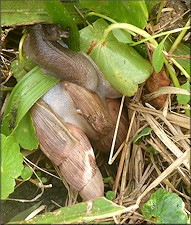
x=172 y=74
x=180 y=68
x=175 y=80
x=161 y=34
x=128 y=27
x=160 y=9
x=179 y=38
x=102 y=16
x=21 y=48
x=107 y=18
x=6 y=88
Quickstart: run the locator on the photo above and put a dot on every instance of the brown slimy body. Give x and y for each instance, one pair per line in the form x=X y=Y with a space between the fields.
x=65 y=64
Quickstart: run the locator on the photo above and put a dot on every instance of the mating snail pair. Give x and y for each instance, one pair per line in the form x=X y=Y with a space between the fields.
x=81 y=109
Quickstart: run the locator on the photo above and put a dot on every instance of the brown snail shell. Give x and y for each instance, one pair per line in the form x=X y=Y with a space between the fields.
x=104 y=144
x=91 y=107
x=69 y=148
x=80 y=107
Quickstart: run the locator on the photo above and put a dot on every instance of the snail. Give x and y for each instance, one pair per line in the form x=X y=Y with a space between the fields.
x=63 y=63
x=69 y=148
x=85 y=109
x=78 y=112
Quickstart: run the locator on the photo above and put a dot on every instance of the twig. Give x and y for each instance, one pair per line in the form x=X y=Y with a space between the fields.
x=116 y=130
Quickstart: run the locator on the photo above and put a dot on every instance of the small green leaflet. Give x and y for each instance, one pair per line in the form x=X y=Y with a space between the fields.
x=165 y=208
x=107 y=180
x=152 y=150
x=11 y=165
x=110 y=195
x=184 y=99
x=26 y=173
x=146 y=131
x=158 y=57
x=24 y=134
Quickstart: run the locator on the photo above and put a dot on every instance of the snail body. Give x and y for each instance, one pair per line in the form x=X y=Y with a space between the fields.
x=65 y=64
x=80 y=109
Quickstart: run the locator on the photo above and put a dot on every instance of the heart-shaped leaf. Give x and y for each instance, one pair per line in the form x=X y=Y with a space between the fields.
x=11 y=165
x=120 y=63
x=165 y=208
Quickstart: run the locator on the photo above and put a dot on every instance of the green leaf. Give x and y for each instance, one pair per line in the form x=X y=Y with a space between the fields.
x=121 y=65
x=17 y=70
x=142 y=50
x=22 y=215
x=184 y=99
x=182 y=51
x=11 y=165
x=137 y=13
x=30 y=88
x=150 y=5
x=26 y=173
x=60 y=15
x=146 y=131
x=122 y=36
x=158 y=57
x=187 y=67
x=110 y=195
x=133 y=12
x=165 y=208
x=25 y=134
x=107 y=180
x=15 y=14
x=79 y=213
x=44 y=180
x=26 y=12
x=152 y=150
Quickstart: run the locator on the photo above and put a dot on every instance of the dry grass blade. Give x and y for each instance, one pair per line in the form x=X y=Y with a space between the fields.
x=140 y=171
x=165 y=90
x=175 y=118
x=111 y=158
x=164 y=174
x=166 y=181
x=120 y=168
x=164 y=138
x=126 y=149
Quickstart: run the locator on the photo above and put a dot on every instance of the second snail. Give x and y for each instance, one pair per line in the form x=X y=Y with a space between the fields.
x=78 y=114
